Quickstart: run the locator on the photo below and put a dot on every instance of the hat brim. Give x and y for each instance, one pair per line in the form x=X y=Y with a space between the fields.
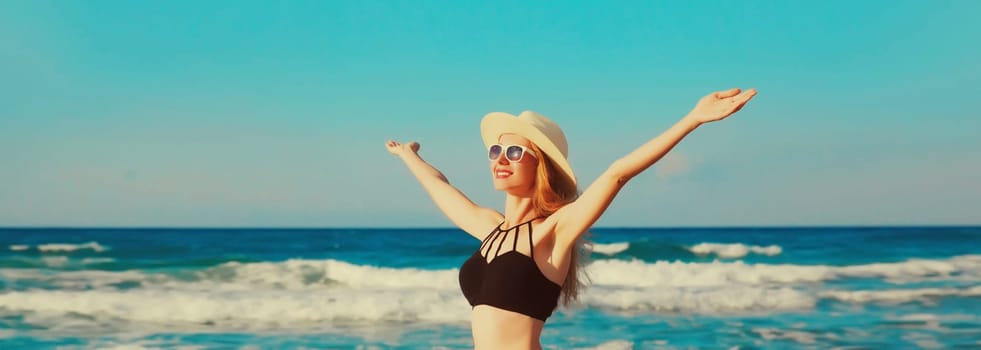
x=496 y=124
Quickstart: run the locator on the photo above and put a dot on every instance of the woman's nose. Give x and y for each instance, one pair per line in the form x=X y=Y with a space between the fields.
x=502 y=159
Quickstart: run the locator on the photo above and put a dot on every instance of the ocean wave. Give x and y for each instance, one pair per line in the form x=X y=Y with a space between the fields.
x=937 y=322
x=304 y=274
x=893 y=296
x=55 y=261
x=51 y=261
x=637 y=273
x=923 y=317
x=612 y=345
x=288 y=309
x=297 y=275
x=251 y=310
x=300 y=293
x=653 y=250
x=81 y=280
x=798 y=336
x=267 y=309
x=90 y=261
x=609 y=248
x=300 y=274
x=734 y=250
x=720 y=300
x=61 y=247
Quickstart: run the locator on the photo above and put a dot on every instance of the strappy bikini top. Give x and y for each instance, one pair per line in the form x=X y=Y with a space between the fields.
x=511 y=280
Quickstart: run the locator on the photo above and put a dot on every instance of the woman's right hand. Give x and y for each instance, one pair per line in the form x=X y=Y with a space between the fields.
x=399 y=149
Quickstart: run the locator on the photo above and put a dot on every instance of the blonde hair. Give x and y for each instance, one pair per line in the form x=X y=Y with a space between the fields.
x=553 y=190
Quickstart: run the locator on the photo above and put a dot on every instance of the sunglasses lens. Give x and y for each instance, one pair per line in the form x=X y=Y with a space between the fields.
x=494 y=152
x=514 y=153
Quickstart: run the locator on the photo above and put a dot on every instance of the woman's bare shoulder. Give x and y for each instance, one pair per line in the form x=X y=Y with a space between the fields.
x=484 y=223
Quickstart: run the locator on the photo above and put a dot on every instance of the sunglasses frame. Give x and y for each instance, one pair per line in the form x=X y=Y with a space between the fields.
x=504 y=152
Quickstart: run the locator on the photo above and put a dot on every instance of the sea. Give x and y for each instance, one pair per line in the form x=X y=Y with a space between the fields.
x=362 y=288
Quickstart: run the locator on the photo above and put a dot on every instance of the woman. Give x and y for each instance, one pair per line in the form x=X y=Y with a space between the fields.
x=528 y=257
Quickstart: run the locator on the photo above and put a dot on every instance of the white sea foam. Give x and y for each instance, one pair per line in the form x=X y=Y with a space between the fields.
x=637 y=273
x=97 y=260
x=734 y=250
x=314 y=293
x=306 y=274
x=19 y=247
x=610 y=248
x=55 y=261
x=87 y=279
x=613 y=345
x=691 y=274
x=801 y=337
x=923 y=340
x=938 y=317
x=933 y=322
x=892 y=296
x=138 y=344
x=698 y=300
x=69 y=247
x=249 y=310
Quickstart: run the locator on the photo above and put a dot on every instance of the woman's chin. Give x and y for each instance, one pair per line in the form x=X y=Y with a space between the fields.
x=510 y=188
x=500 y=186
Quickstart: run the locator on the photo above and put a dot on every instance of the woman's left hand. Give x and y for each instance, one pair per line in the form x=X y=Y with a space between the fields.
x=719 y=105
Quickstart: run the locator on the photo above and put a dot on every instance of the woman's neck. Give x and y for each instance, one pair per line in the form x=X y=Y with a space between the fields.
x=518 y=210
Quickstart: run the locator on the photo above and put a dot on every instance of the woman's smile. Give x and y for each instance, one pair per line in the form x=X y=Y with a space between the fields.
x=500 y=173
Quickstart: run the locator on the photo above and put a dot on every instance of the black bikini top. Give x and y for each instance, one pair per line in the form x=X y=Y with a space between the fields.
x=511 y=280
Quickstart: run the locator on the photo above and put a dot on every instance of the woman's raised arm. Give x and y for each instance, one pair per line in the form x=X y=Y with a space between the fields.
x=576 y=217
x=475 y=220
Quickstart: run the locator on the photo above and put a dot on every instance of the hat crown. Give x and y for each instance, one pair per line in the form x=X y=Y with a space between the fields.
x=549 y=128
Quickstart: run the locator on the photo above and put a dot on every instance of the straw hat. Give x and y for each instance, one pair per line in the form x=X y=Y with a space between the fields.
x=541 y=131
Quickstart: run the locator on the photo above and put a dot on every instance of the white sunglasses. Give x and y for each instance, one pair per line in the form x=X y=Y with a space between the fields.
x=514 y=153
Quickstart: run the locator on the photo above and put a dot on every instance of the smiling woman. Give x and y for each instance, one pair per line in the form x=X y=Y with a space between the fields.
x=529 y=256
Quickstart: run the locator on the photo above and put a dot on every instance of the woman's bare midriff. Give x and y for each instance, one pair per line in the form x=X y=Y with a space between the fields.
x=495 y=328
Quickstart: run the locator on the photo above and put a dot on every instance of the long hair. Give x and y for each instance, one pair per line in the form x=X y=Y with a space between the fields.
x=553 y=190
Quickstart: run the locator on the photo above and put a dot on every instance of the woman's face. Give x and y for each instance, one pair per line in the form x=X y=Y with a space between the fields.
x=515 y=177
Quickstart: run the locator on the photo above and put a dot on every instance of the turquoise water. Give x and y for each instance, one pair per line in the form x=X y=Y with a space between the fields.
x=724 y=288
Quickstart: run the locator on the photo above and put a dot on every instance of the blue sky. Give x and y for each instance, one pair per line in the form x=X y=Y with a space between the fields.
x=191 y=113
